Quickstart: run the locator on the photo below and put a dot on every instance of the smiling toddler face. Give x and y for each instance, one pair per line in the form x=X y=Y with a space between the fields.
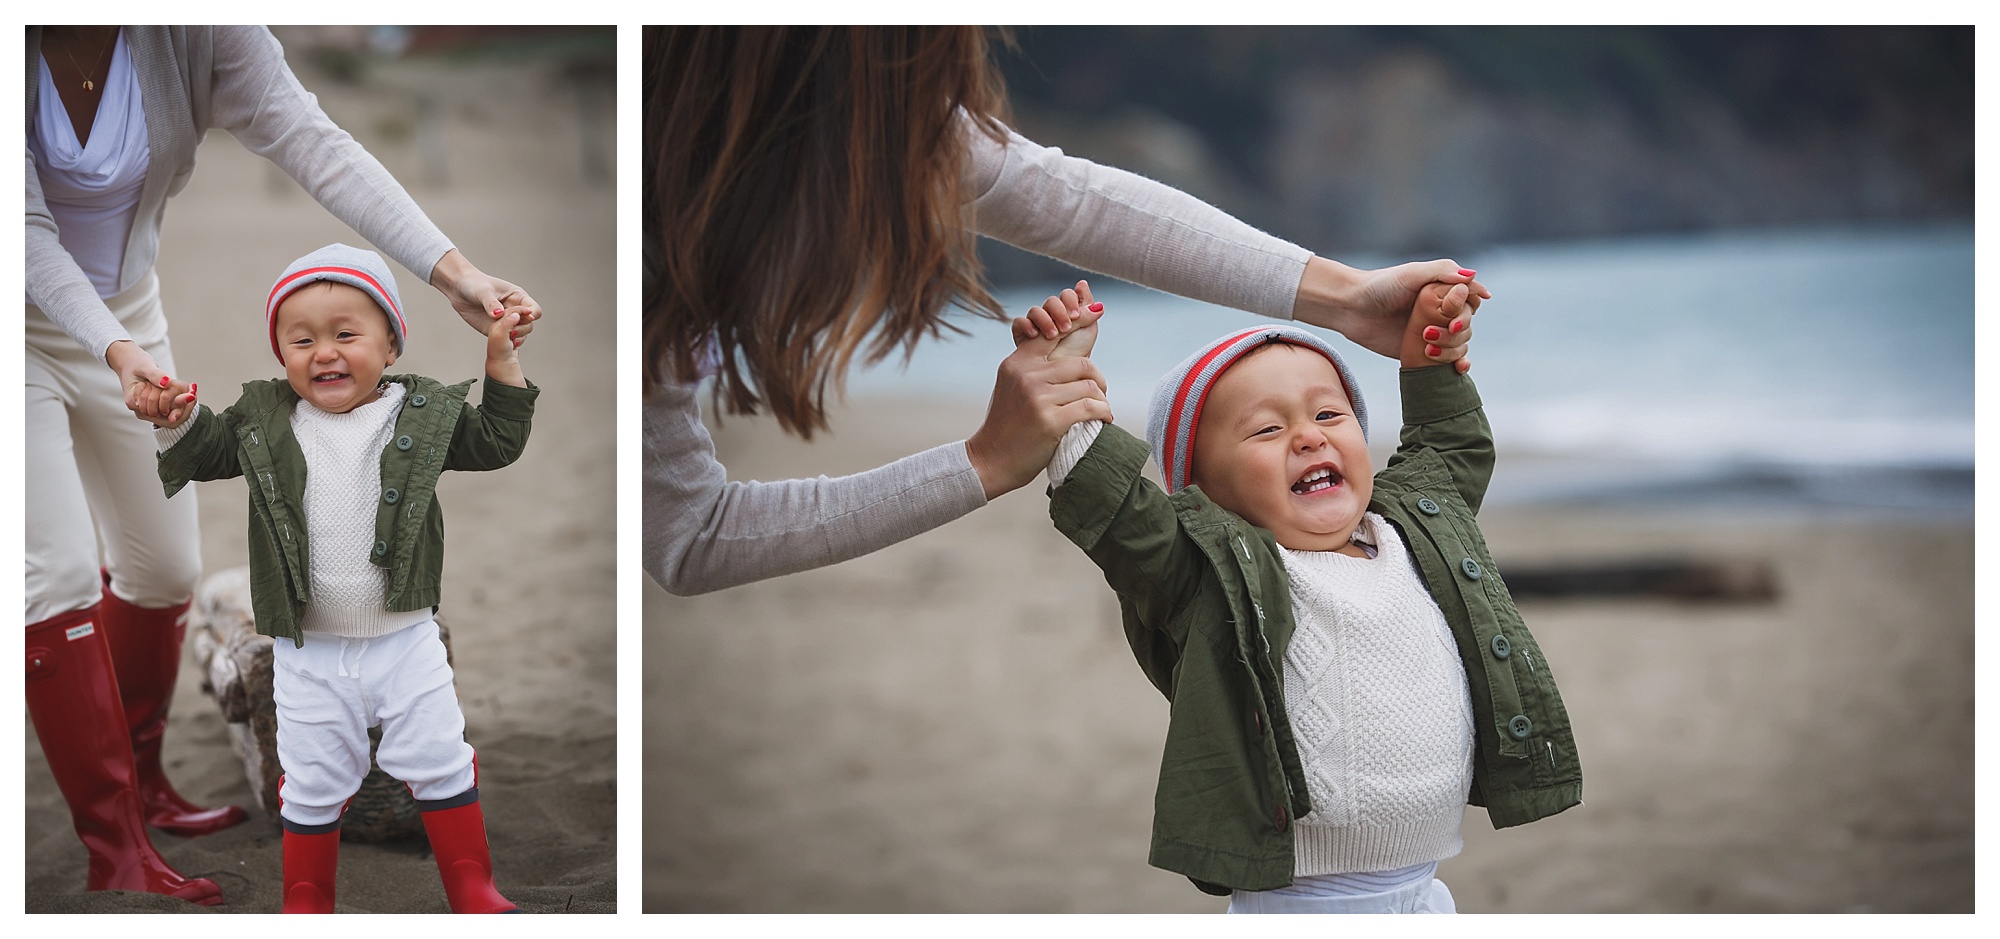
x=335 y=343
x=1278 y=444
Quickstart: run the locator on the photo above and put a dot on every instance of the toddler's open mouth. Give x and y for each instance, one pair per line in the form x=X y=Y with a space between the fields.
x=1318 y=479
x=327 y=378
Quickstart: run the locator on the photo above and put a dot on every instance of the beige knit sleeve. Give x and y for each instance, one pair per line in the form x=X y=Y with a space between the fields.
x=1118 y=223
x=703 y=532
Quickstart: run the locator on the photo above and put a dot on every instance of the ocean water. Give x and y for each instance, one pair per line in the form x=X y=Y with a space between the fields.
x=1830 y=368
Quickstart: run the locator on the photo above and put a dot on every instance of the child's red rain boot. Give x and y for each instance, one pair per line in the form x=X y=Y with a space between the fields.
x=73 y=700
x=146 y=653
x=457 y=829
x=311 y=855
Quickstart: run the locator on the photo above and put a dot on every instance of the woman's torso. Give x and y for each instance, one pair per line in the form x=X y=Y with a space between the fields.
x=93 y=187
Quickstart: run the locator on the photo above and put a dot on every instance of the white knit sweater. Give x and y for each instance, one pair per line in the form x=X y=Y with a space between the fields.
x=1380 y=708
x=343 y=490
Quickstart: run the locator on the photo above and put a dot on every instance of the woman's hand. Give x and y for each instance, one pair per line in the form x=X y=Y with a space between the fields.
x=150 y=394
x=1440 y=327
x=1035 y=400
x=481 y=298
x=1372 y=307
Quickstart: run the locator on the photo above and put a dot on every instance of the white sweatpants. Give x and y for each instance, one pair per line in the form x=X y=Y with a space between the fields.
x=333 y=689
x=1426 y=896
x=92 y=476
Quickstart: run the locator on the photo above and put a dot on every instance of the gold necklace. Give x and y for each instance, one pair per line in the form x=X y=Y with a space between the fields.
x=89 y=85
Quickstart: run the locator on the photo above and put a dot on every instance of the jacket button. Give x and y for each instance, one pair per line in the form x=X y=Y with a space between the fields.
x=1427 y=507
x=390 y=496
x=404 y=442
x=1470 y=567
x=417 y=401
x=1501 y=647
x=381 y=548
x=1520 y=727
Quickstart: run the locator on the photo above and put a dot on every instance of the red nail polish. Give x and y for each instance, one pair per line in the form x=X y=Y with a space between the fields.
x=1431 y=333
x=1432 y=350
x=1097 y=308
x=1466 y=272
x=1457 y=325
x=164 y=381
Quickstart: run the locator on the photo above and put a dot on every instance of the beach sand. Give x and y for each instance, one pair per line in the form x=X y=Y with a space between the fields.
x=955 y=723
x=530 y=559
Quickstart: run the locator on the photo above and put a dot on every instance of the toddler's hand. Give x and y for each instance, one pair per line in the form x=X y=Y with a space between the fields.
x=503 y=361
x=1069 y=317
x=1439 y=328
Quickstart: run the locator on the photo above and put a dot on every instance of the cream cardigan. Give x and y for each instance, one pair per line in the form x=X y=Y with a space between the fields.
x=194 y=78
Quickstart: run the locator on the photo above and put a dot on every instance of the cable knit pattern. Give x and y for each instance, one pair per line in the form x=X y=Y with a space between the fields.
x=1381 y=711
x=343 y=489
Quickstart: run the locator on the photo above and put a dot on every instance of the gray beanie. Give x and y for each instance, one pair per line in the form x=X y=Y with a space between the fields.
x=1178 y=398
x=343 y=264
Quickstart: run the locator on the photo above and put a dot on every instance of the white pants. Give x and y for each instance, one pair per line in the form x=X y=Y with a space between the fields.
x=92 y=478
x=331 y=691
x=1428 y=896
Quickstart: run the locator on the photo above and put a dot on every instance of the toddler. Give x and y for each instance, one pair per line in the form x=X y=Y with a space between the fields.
x=1345 y=667
x=346 y=552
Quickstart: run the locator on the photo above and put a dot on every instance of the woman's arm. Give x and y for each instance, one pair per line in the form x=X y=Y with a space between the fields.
x=258 y=100
x=704 y=533
x=1136 y=229
x=59 y=288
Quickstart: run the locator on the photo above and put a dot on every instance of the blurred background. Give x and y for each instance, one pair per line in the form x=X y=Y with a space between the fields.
x=504 y=137
x=1729 y=367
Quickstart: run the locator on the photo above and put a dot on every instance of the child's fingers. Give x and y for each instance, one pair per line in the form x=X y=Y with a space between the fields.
x=1043 y=321
x=1023 y=329
x=1083 y=293
x=1463 y=365
x=1060 y=313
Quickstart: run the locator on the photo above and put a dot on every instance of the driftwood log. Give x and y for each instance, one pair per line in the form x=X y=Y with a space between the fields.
x=236 y=665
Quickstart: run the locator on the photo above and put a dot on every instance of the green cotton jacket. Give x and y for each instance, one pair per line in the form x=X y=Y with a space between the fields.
x=435 y=431
x=1208 y=612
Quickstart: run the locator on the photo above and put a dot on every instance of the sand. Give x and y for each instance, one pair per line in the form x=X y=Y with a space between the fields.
x=530 y=561
x=955 y=724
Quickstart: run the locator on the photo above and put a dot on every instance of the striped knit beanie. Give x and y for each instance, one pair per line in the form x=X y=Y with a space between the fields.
x=1178 y=398
x=343 y=264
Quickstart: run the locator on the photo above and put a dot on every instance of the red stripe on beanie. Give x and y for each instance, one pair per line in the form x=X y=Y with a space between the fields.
x=279 y=290
x=1180 y=398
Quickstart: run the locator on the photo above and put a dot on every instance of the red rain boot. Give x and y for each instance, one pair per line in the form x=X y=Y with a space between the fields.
x=73 y=700
x=146 y=650
x=311 y=854
x=457 y=829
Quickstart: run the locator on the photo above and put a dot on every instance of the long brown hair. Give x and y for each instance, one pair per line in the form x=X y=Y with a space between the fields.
x=806 y=188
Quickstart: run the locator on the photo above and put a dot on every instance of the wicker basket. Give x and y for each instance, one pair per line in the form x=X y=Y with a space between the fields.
x=236 y=663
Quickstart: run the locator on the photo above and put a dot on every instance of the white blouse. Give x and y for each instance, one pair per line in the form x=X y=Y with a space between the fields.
x=93 y=191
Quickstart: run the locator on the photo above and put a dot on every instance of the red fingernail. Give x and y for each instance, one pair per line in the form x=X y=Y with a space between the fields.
x=1431 y=333
x=164 y=381
x=1432 y=350
x=1457 y=325
x=1466 y=272
x=1097 y=308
